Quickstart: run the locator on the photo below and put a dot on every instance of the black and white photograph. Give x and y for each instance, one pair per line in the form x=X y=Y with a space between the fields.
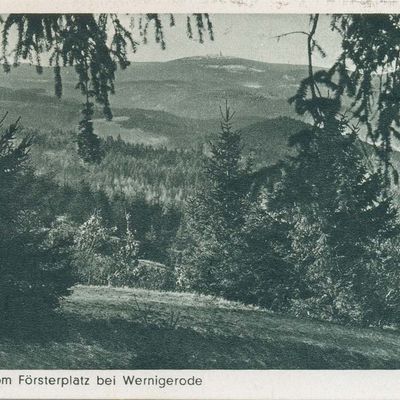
x=199 y=191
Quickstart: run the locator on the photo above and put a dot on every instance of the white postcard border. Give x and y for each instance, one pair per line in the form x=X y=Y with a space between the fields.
x=216 y=384
x=194 y=6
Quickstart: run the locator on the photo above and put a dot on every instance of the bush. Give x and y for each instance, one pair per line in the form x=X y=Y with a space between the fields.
x=102 y=258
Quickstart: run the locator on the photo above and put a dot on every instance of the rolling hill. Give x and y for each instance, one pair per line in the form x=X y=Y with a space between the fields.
x=189 y=87
x=171 y=103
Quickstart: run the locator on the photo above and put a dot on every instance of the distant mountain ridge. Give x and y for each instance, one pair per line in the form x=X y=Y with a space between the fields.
x=185 y=87
x=173 y=104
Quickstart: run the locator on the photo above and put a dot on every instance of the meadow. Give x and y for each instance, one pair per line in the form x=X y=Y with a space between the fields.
x=120 y=328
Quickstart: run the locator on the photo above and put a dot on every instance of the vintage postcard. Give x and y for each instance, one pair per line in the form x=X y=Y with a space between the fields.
x=200 y=199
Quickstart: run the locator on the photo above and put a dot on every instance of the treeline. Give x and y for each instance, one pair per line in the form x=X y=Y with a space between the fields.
x=157 y=173
x=167 y=175
x=154 y=223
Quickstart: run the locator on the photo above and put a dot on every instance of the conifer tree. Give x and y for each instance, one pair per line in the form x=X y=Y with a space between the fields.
x=339 y=211
x=225 y=171
x=35 y=271
x=338 y=215
x=215 y=216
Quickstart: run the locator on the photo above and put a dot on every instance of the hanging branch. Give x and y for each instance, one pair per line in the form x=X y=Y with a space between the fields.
x=371 y=44
x=95 y=45
x=308 y=98
x=310 y=42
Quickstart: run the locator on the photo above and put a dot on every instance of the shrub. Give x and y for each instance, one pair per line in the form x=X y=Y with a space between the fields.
x=100 y=257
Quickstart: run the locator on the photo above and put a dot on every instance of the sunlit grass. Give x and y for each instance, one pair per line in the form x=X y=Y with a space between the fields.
x=102 y=327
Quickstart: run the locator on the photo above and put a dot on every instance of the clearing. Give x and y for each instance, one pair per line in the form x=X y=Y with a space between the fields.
x=119 y=328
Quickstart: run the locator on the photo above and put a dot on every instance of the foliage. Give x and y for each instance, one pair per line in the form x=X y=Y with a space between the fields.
x=155 y=225
x=267 y=275
x=154 y=276
x=159 y=174
x=89 y=145
x=340 y=213
x=35 y=271
x=148 y=183
x=366 y=71
x=99 y=256
x=215 y=216
x=370 y=43
x=103 y=256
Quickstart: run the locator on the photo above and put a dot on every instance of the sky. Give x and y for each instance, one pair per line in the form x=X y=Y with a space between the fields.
x=250 y=36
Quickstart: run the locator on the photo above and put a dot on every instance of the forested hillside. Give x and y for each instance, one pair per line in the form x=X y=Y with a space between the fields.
x=167 y=174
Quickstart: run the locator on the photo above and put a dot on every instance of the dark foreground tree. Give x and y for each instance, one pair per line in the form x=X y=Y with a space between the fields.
x=340 y=221
x=368 y=69
x=35 y=272
x=367 y=73
x=343 y=225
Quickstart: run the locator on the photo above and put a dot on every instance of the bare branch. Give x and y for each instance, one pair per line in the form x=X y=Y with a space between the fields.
x=278 y=37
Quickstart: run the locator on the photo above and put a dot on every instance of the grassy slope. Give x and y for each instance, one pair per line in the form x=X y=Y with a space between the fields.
x=101 y=328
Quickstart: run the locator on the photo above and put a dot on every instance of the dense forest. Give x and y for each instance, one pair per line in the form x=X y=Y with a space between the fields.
x=155 y=173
